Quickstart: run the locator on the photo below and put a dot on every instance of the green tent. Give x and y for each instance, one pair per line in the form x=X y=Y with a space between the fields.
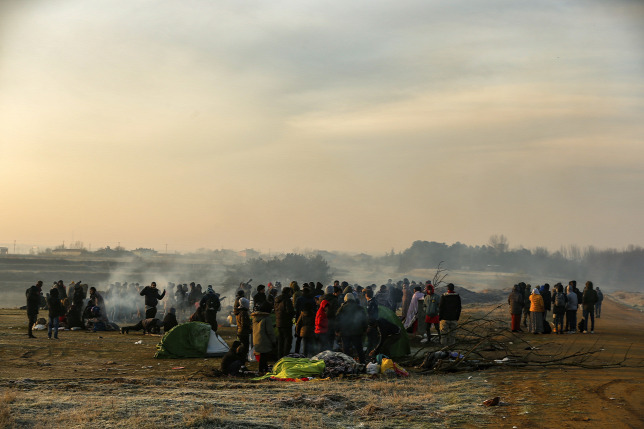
x=401 y=347
x=190 y=340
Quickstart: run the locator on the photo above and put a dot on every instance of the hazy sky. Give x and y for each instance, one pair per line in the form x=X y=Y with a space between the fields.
x=355 y=125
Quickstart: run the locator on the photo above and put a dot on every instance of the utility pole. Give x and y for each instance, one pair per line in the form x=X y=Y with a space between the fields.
x=14 y=246
x=166 y=248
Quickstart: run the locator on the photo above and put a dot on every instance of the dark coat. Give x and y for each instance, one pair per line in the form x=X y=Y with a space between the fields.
x=284 y=311
x=33 y=299
x=516 y=301
x=334 y=305
x=244 y=325
x=151 y=295
x=56 y=308
x=589 y=299
x=263 y=334
x=449 y=307
x=351 y=319
x=169 y=322
x=305 y=326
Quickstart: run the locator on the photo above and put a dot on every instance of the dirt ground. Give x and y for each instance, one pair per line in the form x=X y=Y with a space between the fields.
x=105 y=379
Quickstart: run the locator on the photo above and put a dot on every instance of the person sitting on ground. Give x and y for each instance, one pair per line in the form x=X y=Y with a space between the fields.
x=199 y=315
x=232 y=363
x=149 y=326
x=170 y=320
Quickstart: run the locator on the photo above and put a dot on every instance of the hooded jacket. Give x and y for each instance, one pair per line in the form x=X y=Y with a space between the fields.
x=516 y=300
x=321 y=319
x=572 y=299
x=151 y=295
x=351 y=319
x=284 y=311
x=263 y=335
x=536 y=302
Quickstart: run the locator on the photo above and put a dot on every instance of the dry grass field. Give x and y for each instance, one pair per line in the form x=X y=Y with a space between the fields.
x=106 y=380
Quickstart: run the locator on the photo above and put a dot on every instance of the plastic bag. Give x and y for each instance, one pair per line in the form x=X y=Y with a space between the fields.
x=386 y=364
x=373 y=368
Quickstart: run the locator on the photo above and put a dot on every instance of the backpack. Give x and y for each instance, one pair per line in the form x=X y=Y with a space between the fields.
x=432 y=306
x=213 y=303
x=560 y=301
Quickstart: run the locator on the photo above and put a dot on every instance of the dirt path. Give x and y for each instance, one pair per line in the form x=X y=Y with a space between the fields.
x=573 y=398
x=107 y=380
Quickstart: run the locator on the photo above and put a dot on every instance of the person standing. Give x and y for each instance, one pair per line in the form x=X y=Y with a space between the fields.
x=352 y=325
x=431 y=311
x=588 y=300
x=33 y=304
x=152 y=297
x=515 y=300
x=56 y=310
x=263 y=335
x=284 y=313
x=598 y=306
x=559 y=303
x=571 y=309
x=536 y=312
x=244 y=325
x=449 y=311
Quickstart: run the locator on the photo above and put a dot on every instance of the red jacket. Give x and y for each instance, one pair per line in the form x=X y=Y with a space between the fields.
x=321 y=319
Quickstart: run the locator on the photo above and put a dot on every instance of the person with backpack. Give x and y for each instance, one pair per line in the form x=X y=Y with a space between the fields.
x=210 y=301
x=598 y=305
x=589 y=299
x=431 y=311
x=559 y=302
x=526 y=289
x=515 y=300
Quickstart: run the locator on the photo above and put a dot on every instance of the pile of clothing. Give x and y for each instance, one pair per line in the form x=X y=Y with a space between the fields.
x=337 y=363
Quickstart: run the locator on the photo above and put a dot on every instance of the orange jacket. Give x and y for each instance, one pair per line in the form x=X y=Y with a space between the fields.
x=536 y=303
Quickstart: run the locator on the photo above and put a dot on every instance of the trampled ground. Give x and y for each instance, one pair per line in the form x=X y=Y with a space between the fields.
x=106 y=380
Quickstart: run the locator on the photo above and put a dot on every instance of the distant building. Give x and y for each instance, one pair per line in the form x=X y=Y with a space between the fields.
x=144 y=252
x=4 y=250
x=67 y=252
x=249 y=254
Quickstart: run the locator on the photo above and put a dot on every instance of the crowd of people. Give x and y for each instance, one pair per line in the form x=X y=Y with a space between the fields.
x=268 y=318
x=530 y=306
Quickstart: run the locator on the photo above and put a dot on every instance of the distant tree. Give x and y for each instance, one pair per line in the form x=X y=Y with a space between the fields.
x=499 y=243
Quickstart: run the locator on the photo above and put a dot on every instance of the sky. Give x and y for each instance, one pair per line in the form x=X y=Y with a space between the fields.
x=348 y=126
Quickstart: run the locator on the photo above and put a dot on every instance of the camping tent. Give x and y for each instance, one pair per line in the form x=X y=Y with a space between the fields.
x=192 y=339
x=401 y=347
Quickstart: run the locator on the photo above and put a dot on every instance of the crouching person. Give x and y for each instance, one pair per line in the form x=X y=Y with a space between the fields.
x=149 y=326
x=233 y=361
